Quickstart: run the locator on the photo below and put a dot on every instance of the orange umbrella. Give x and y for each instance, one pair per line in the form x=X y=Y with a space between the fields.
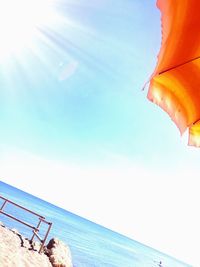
x=175 y=83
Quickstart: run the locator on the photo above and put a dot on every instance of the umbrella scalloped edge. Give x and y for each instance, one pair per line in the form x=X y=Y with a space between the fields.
x=194 y=135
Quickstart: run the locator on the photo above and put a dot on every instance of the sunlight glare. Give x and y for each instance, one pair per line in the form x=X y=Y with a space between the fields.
x=19 y=23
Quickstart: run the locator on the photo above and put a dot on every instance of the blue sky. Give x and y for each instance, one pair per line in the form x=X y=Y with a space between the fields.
x=73 y=115
x=100 y=104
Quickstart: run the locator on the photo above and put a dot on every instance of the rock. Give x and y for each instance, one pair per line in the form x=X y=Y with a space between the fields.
x=59 y=253
x=36 y=246
x=26 y=242
x=15 y=231
x=13 y=253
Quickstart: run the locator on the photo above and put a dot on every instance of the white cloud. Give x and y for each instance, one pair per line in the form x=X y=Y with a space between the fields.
x=157 y=209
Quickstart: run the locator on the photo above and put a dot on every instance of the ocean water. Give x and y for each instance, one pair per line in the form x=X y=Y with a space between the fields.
x=91 y=244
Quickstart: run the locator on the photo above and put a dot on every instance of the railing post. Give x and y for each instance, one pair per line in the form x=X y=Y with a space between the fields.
x=3 y=205
x=43 y=242
x=37 y=228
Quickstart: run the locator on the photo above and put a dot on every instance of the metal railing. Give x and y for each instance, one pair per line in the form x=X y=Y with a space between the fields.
x=34 y=229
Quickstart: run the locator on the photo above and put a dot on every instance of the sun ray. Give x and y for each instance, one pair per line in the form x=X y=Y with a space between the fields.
x=19 y=21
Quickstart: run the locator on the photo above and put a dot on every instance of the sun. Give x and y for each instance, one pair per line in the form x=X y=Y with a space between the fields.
x=20 y=21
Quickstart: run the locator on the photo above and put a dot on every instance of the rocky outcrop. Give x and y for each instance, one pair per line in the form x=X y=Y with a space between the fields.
x=59 y=254
x=16 y=250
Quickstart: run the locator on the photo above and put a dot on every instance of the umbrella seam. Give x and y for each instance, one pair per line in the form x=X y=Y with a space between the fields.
x=179 y=65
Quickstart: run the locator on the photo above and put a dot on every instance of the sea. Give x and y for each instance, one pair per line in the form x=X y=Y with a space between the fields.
x=91 y=244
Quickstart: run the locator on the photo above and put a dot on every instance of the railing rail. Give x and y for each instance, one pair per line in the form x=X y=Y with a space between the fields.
x=34 y=229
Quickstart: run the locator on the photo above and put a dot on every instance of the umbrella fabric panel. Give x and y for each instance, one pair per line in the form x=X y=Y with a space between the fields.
x=180 y=33
x=178 y=94
x=175 y=83
x=194 y=133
